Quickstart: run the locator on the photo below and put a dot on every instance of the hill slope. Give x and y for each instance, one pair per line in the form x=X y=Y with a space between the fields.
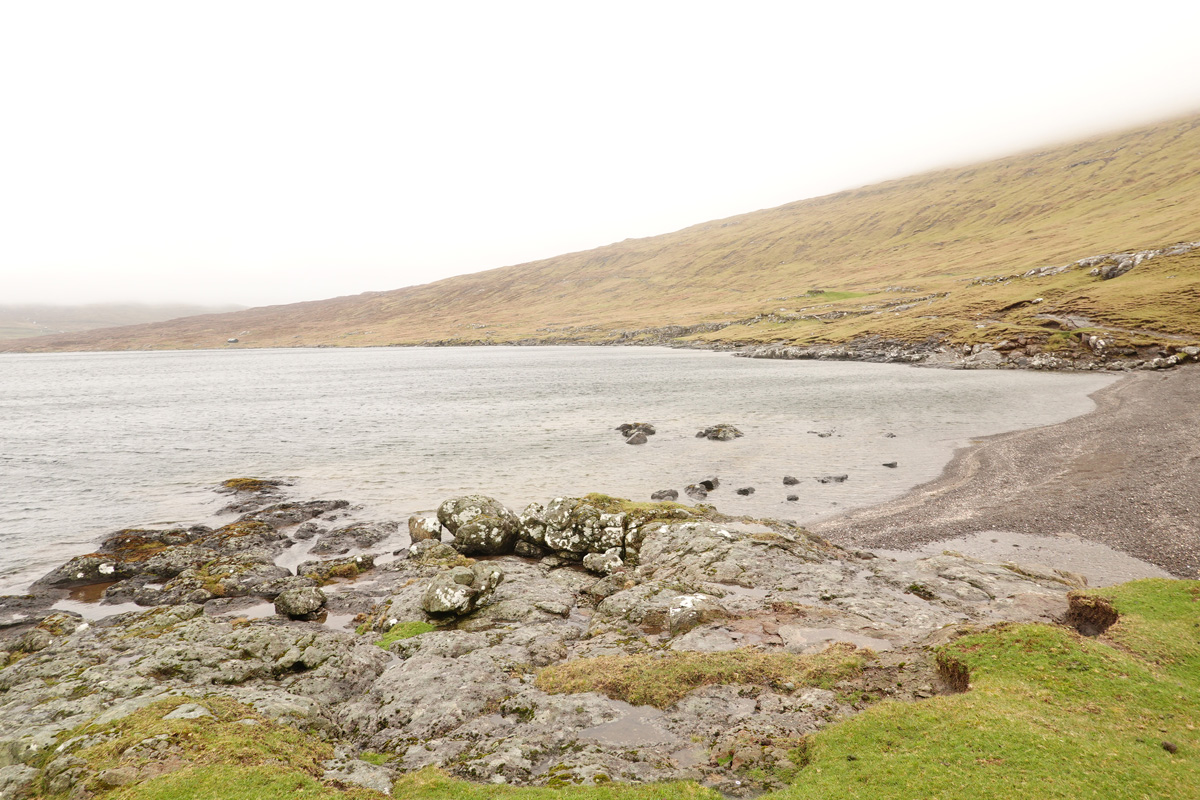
x=897 y=260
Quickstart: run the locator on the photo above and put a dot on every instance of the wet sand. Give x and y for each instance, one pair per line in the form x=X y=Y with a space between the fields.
x=1126 y=475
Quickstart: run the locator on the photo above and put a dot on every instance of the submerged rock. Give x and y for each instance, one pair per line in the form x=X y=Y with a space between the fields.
x=719 y=433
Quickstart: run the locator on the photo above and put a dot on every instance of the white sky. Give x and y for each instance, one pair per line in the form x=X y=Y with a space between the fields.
x=269 y=152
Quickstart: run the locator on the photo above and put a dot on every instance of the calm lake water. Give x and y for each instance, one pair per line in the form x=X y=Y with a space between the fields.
x=94 y=442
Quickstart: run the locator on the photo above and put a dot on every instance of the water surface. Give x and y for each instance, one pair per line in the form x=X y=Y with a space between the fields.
x=94 y=442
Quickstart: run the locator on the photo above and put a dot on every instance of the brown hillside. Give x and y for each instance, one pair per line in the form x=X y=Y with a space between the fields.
x=922 y=238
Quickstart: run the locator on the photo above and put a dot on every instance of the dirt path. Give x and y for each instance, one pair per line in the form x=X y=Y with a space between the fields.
x=1126 y=475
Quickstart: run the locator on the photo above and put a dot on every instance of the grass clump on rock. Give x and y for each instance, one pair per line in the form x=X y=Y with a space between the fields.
x=642 y=513
x=661 y=680
x=404 y=630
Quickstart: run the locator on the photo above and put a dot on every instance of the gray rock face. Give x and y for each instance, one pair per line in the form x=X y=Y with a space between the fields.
x=283 y=515
x=461 y=590
x=302 y=603
x=480 y=525
x=719 y=433
x=665 y=494
x=361 y=536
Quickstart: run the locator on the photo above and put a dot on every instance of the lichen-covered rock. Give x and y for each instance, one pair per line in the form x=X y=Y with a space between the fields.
x=533 y=524
x=302 y=603
x=605 y=563
x=422 y=528
x=689 y=610
x=480 y=525
x=461 y=590
x=575 y=527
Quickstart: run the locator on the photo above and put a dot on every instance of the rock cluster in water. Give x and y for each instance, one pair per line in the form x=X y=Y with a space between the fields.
x=459 y=684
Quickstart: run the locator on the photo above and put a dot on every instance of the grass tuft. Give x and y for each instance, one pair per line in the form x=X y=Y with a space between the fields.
x=661 y=680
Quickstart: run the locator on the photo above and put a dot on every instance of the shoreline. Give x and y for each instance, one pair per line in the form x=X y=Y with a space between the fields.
x=1122 y=475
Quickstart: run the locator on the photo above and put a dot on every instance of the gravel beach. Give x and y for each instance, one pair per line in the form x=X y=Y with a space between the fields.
x=1126 y=475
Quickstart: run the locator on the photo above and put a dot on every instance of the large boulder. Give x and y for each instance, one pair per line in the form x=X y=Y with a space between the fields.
x=461 y=590
x=574 y=526
x=300 y=603
x=422 y=528
x=480 y=525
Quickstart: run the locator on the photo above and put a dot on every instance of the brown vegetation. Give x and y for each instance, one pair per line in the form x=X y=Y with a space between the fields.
x=904 y=259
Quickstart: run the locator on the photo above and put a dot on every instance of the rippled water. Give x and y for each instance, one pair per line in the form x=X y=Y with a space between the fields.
x=93 y=442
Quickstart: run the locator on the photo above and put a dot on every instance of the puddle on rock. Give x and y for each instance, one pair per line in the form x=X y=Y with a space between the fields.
x=814 y=640
x=92 y=611
x=339 y=622
x=1100 y=564
x=638 y=726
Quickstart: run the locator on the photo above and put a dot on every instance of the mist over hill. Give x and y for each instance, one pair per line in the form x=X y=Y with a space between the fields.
x=22 y=321
x=1023 y=248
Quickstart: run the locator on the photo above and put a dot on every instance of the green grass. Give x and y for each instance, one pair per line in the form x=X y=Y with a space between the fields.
x=660 y=680
x=1050 y=714
x=433 y=784
x=404 y=630
x=229 y=782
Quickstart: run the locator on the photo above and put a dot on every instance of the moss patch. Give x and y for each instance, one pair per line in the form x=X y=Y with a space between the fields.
x=404 y=630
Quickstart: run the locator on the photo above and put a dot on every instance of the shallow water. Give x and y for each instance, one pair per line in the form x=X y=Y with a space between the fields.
x=94 y=442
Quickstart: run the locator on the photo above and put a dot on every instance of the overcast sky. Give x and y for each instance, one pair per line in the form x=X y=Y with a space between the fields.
x=269 y=152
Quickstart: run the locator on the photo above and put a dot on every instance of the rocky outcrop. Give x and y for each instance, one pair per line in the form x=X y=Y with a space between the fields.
x=459 y=685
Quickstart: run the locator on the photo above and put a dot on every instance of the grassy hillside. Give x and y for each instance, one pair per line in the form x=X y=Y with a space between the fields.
x=898 y=259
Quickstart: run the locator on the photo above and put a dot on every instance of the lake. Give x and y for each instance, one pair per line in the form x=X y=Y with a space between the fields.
x=94 y=442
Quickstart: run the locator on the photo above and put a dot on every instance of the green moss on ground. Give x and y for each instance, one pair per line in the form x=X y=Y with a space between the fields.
x=404 y=630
